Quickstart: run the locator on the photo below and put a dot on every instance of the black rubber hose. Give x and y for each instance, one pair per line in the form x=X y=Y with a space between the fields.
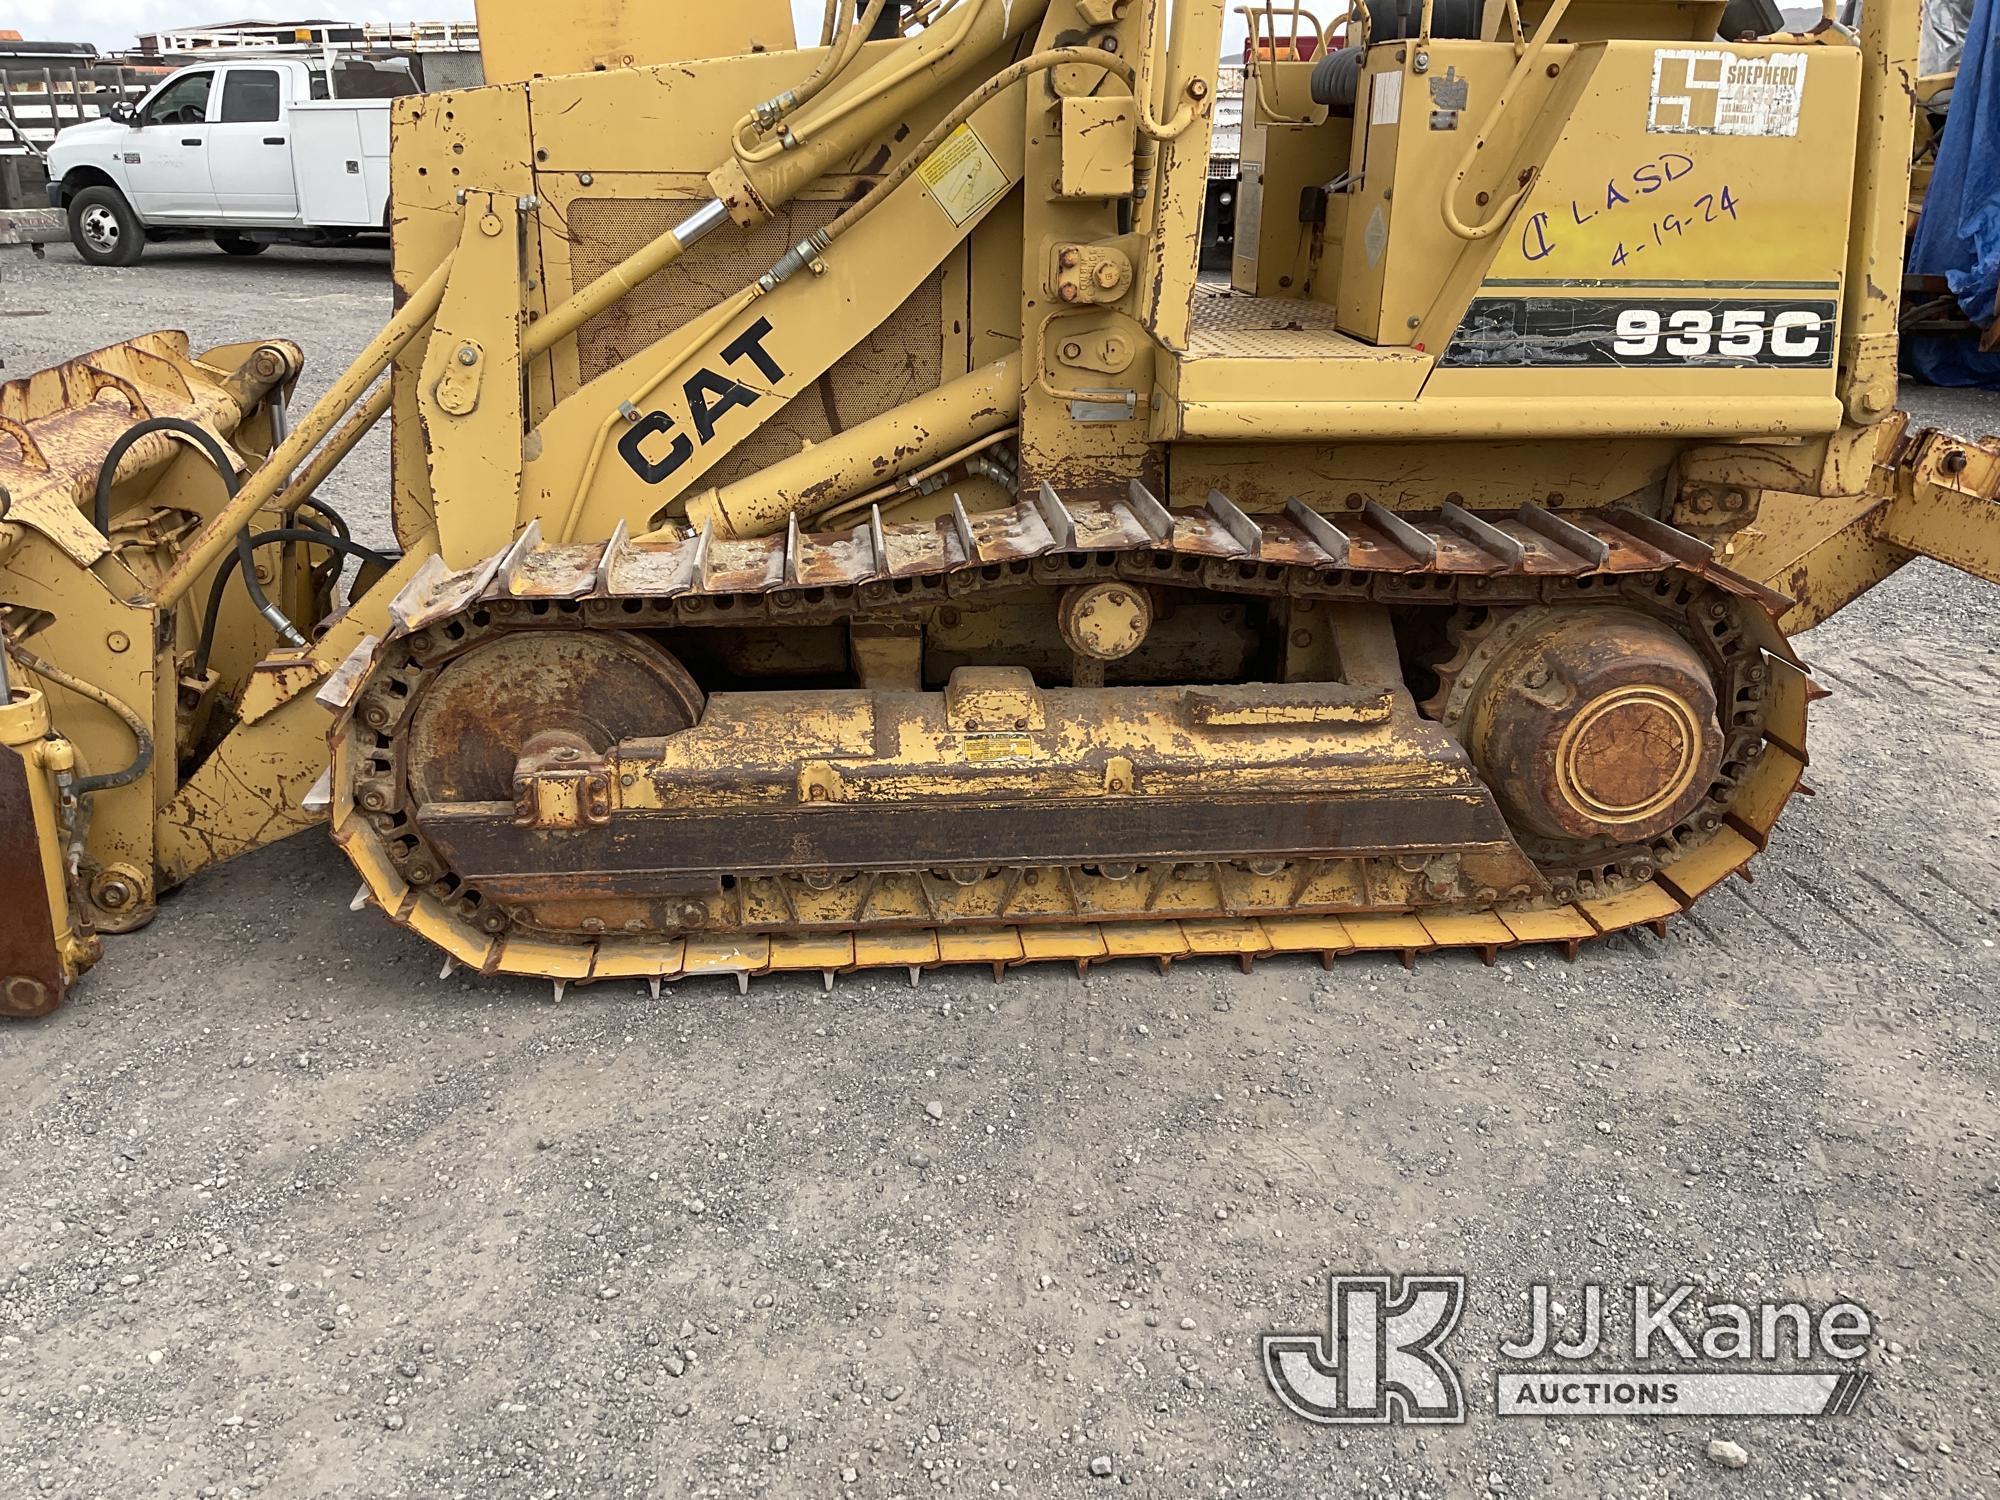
x=205 y=647
x=107 y=474
x=334 y=517
x=88 y=785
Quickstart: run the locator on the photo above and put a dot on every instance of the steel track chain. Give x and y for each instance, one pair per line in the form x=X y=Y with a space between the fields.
x=1445 y=561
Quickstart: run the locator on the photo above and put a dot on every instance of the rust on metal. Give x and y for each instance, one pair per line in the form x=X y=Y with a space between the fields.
x=480 y=712
x=31 y=971
x=1595 y=725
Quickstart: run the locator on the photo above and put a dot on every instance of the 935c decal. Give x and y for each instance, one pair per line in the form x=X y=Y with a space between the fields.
x=1717 y=333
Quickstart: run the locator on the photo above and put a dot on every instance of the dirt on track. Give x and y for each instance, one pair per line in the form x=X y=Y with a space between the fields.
x=283 y=1213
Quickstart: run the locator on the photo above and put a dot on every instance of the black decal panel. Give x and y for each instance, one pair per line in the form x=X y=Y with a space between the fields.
x=1652 y=332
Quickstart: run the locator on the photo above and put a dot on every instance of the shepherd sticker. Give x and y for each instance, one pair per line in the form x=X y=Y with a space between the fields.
x=962 y=175
x=1703 y=91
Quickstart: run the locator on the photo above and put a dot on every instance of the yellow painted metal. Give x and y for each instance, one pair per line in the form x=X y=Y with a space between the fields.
x=871 y=101
x=1379 y=933
x=470 y=392
x=534 y=958
x=1722 y=856
x=1610 y=188
x=1155 y=940
x=904 y=439
x=1560 y=925
x=1473 y=929
x=78 y=598
x=809 y=951
x=26 y=733
x=1734 y=409
x=251 y=790
x=1868 y=335
x=1100 y=139
x=1028 y=239
x=1947 y=504
x=1326 y=936
x=1651 y=902
x=218 y=535
x=1080 y=945
x=633 y=959
x=521 y=39
x=980 y=945
x=754 y=346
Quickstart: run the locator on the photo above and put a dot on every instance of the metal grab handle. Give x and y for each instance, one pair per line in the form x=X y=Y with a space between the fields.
x=1357 y=11
x=1523 y=65
x=1250 y=14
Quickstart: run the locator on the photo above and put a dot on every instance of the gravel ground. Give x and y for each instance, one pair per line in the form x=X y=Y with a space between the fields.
x=284 y=1212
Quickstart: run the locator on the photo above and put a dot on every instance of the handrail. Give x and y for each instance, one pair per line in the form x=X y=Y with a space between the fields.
x=1250 y=13
x=1356 y=11
x=1523 y=65
x=1153 y=42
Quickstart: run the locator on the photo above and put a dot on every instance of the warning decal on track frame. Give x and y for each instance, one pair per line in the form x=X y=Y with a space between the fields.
x=962 y=175
x=1706 y=91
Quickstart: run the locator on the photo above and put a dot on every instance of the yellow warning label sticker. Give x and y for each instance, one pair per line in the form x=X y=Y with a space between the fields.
x=962 y=175
x=981 y=748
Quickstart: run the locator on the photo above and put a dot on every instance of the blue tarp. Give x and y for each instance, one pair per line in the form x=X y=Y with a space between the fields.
x=1958 y=234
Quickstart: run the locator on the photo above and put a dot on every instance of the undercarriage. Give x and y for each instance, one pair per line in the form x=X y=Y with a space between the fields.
x=1077 y=731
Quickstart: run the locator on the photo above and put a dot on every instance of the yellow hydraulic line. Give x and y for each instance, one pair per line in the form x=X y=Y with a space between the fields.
x=220 y=533
x=772 y=112
x=1151 y=44
x=338 y=446
x=840 y=110
x=545 y=333
x=936 y=428
x=801 y=254
x=693 y=337
x=541 y=336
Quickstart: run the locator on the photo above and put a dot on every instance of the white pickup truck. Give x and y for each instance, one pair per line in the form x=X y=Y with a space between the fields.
x=245 y=152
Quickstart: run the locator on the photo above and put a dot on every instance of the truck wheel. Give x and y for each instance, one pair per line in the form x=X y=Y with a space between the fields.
x=104 y=229
x=238 y=244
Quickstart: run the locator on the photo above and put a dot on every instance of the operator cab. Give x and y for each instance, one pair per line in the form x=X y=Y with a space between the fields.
x=1466 y=185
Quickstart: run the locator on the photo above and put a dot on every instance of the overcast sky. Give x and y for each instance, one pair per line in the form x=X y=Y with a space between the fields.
x=112 y=24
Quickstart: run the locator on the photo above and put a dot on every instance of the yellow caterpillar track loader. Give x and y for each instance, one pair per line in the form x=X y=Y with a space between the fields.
x=838 y=527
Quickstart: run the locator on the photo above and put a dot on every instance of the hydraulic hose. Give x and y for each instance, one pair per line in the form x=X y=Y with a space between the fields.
x=107 y=471
x=333 y=517
x=205 y=646
x=769 y=114
x=312 y=428
x=225 y=468
x=141 y=735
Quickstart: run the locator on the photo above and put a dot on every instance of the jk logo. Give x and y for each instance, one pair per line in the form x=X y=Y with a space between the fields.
x=1378 y=1361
